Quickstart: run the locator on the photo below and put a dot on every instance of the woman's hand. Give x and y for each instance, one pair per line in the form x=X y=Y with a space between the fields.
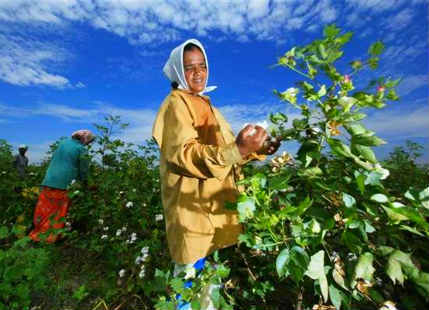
x=251 y=139
x=271 y=145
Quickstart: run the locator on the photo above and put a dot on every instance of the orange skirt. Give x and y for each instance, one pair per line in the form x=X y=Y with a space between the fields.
x=51 y=209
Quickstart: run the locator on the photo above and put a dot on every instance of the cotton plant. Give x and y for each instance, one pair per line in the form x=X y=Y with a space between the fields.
x=323 y=216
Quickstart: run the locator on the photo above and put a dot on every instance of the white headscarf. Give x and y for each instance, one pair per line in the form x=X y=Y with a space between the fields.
x=173 y=68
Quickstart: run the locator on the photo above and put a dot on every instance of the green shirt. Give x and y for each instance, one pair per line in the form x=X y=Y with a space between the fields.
x=69 y=162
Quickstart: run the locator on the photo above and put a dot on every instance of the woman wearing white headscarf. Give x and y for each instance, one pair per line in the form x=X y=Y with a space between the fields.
x=200 y=160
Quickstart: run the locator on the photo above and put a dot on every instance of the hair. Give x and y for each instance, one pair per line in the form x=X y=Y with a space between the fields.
x=190 y=47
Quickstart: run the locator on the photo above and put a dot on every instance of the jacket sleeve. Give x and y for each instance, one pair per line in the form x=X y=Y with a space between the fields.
x=83 y=165
x=183 y=152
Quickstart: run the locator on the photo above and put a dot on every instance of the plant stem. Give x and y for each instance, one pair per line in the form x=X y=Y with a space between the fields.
x=300 y=298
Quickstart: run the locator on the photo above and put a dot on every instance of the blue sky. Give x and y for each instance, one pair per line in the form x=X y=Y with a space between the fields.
x=64 y=64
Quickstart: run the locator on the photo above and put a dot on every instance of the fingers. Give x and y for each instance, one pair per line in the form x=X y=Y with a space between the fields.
x=247 y=130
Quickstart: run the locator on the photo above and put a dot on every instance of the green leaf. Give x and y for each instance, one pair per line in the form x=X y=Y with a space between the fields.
x=336 y=296
x=298 y=263
x=385 y=250
x=322 y=91
x=364 y=269
x=331 y=31
x=339 y=148
x=278 y=117
x=195 y=305
x=216 y=298
x=316 y=271
x=338 y=278
x=411 y=230
x=354 y=117
x=281 y=262
x=391 y=95
x=422 y=280
x=398 y=263
x=222 y=271
x=3 y=232
x=394 y=216
x=394 y=270
x=246 y=207
x=322 y=51
x=360 y=181
x=344 y=38
x=381 y=198
x=177 y=284
x=409 y=195
x=349 y=201
x=376 y=48
x=365 y=151
x=347 y=102
x=367 y=140
x=373 y=178
x=424 y=194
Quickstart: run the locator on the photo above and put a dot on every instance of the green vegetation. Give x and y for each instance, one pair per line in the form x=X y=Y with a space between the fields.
x=329 y=228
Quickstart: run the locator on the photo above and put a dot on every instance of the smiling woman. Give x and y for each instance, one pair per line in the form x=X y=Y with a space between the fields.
x=195 y=67
x=199 y=165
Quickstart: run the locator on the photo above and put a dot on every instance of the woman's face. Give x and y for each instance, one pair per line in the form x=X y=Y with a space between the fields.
x=195 y=68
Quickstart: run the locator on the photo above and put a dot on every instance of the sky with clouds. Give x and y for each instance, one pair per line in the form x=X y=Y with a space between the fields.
x=65 y=64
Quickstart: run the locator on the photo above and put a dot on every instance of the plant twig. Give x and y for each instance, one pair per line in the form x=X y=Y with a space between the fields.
x=254 y=278
x=299 y=299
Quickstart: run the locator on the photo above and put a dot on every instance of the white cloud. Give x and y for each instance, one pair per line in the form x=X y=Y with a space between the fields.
x=25 y=62
x=396 y=122
x=144 y=21
x=375 y=5
x=80 y=85
x=411 y=83
x=153 y=22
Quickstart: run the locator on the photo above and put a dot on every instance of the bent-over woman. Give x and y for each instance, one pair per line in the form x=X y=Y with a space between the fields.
x=69 y=162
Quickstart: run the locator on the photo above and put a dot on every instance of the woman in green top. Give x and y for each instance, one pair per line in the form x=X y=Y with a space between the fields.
x=69 y=162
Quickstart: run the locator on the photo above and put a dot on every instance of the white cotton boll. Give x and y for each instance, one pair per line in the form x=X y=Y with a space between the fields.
x=133 y=237
x=145 y=250
x=118 y=232
x=262 y=124
x=144 y=204
x=388 y=305
x=159 y=217
x=100 y=221
x=138 y=260
x=124 y=229
x=145 y=257
x=106 y=228
x=142 y=272
x=129 y=204
x=73 y=181
x=190 y=272
x=121 y=273
x=103 y=237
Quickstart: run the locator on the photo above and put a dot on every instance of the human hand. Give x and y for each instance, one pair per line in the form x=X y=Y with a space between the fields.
x=270 y=146
x=250 y=139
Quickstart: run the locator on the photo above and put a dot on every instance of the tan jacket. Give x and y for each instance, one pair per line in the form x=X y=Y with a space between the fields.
x=199 y=166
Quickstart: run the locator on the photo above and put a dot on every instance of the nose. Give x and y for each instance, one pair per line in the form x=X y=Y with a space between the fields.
x=197 y=70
